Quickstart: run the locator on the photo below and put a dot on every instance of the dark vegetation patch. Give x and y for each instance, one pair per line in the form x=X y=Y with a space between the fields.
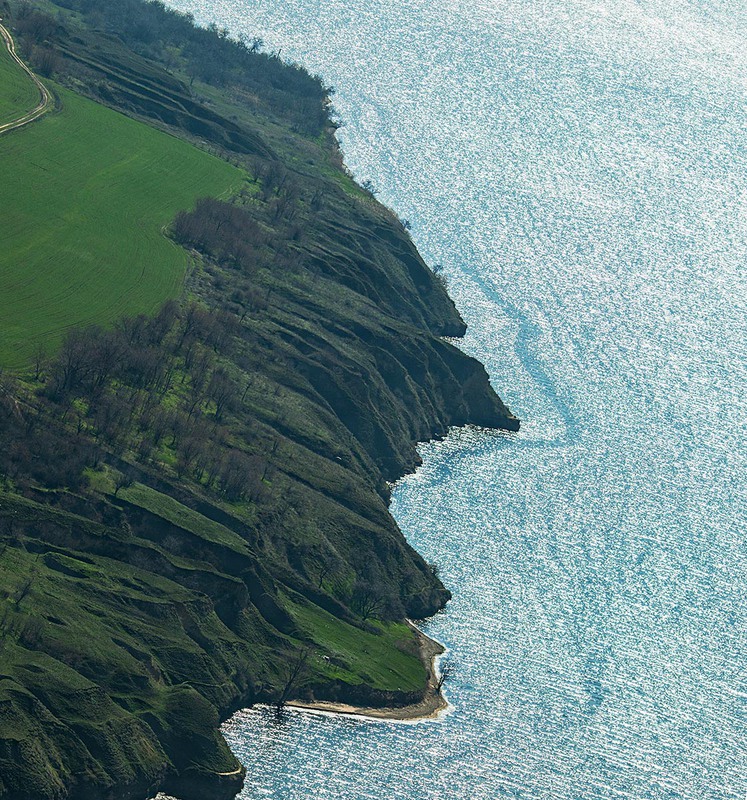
x=147 y=57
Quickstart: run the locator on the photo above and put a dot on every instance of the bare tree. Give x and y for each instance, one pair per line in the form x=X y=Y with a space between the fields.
x=222 y=391
x=329 y=563
x=294 y=672
x=122 y=481
x=447 y=672
x=368 y=600
x=40 y=359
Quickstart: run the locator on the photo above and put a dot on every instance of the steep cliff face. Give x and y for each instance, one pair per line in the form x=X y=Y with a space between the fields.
x=376 y=356
x=222 y=516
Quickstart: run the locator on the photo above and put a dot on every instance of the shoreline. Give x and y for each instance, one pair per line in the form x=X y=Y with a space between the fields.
x=431 y=706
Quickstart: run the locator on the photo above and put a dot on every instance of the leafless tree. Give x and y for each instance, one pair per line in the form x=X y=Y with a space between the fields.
x=122 y=481
x=447 y=672
x=368 y=600
x=294 y=673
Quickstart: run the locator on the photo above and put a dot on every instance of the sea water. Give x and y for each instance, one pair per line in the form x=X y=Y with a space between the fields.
x=579 y=170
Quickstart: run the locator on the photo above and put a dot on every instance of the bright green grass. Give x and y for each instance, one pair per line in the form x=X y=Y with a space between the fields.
x=18 y=94
x=85 y=195
x=378 y=659
x=183 y=517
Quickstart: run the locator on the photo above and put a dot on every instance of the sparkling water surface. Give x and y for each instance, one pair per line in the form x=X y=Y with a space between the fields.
x=580 y=171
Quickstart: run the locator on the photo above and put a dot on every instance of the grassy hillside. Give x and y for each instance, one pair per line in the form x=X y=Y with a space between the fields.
x=194 y=503
x=17 y=92
x=123 y=635
x=85 y=194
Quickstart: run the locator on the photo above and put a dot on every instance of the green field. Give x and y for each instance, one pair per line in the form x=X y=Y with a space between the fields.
x=85 y=195
x=17 y=91
x=384 y=658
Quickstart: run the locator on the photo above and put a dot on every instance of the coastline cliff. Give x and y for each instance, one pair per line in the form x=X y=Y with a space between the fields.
x=194 y=506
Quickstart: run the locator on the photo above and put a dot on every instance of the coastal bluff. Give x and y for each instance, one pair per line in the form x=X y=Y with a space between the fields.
x=194 y=501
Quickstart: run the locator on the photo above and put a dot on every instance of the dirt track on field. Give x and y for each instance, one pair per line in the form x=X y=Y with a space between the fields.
x=45 y=96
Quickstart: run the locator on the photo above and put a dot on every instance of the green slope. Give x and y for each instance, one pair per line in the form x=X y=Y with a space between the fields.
x=85 y=196
x=193 y=510
x=18 y=94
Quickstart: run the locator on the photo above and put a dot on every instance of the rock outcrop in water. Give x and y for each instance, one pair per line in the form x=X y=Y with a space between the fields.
x=194 y=516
